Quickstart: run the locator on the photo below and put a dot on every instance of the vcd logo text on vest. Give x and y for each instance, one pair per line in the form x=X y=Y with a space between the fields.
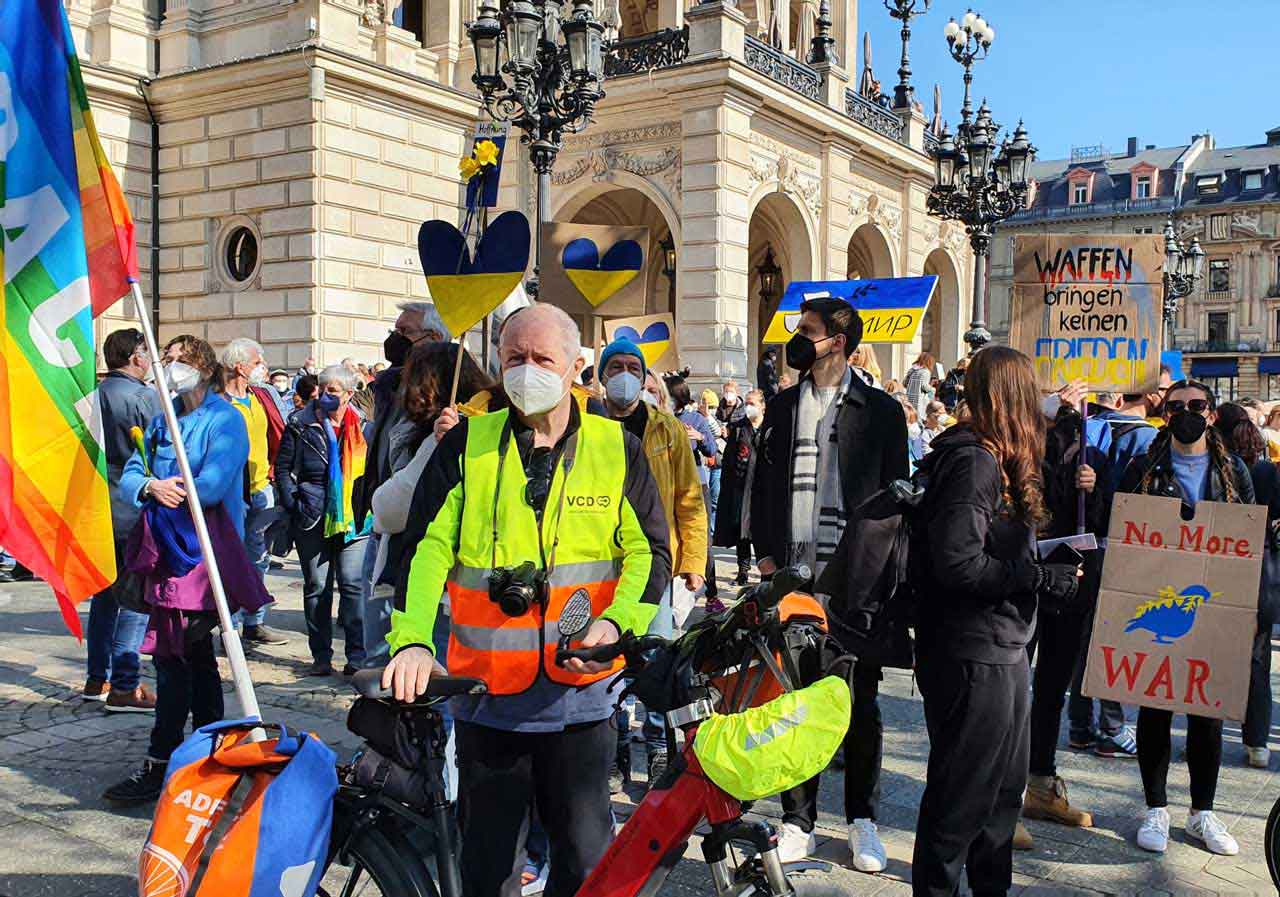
x=588 y=503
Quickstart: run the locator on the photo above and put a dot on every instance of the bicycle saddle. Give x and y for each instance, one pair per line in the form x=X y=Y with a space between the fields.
x=368 y=684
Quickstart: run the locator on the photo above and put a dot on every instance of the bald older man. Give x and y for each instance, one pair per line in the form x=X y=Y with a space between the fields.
x=571 y=494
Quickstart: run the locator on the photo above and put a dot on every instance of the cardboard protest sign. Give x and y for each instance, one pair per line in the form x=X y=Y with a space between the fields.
x=1177 y=609
x=892 y=308
x=654 y=334
x=1090 y=306
x=586 y=268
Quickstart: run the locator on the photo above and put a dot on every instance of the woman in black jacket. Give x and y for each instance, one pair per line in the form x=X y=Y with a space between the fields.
x=1187 y=460
x=1245 y=441
x=978 y=581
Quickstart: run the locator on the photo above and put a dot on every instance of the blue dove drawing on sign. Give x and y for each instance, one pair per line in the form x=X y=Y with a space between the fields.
x=1171 y=615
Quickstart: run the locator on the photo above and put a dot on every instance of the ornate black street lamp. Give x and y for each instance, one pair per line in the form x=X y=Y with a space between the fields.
x=544 y=86
x=1183 y=266
x=668 y=246
x=905 y=10
x=978 y=182
x=770 y=287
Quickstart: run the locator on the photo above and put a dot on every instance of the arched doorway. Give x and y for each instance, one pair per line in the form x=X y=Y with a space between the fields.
x=778 y=229
x=869 y=254
x=940 y=333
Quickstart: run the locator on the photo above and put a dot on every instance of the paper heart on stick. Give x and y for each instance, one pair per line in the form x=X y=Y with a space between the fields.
x=465 y=289
x=599 y=278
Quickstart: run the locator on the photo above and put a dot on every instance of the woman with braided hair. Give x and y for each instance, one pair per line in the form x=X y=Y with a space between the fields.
x=1189 y=460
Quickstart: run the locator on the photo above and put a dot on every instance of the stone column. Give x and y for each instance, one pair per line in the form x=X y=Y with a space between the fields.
x=119 y=35
x=714 y=305
x=716 y=30
x=835 y=227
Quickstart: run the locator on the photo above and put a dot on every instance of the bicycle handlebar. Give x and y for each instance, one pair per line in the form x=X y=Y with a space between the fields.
x=368 y=684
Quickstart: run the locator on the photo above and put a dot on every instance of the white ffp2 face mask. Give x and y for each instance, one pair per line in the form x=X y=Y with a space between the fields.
x=622 y=388
x=182 y=377
x=532 y=389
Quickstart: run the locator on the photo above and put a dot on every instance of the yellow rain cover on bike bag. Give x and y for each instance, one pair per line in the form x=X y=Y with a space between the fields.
x=767 y=749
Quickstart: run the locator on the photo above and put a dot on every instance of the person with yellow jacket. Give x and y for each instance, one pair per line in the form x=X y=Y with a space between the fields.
x=622 y=370
x=530 y=507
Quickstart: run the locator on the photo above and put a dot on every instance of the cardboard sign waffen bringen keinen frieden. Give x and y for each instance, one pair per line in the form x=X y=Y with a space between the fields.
x=1090 y=307
x=1177 y=609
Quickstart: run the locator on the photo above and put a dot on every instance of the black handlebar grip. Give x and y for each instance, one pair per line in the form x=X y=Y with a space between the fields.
x=598 y=654
x=786 y=581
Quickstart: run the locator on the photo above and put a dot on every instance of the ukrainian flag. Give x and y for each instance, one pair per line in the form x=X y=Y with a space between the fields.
x=892 y=308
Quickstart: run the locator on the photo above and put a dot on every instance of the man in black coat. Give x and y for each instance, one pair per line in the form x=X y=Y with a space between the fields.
x=827 y=444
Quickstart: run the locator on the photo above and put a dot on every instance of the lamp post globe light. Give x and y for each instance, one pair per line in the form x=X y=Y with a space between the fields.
x=906 y=10
x=542 y=74
x=976 y=181
x=1183 y=266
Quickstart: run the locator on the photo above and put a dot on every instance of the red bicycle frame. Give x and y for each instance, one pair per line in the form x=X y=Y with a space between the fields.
x=654 y=839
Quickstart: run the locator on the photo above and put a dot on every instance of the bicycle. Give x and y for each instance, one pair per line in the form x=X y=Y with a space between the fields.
x=401 y=838
x=1271 y=844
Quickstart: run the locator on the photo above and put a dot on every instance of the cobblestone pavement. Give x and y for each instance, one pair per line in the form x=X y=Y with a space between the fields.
x=57 y=753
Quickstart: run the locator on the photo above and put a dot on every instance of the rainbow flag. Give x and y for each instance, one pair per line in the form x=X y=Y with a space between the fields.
x=66 y=255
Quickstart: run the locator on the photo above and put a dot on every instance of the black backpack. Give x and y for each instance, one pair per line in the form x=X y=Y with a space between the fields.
x=870 y=581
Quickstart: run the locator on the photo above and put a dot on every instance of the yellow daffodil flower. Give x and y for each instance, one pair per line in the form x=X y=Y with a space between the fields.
x=469 y=168
x=486 y=153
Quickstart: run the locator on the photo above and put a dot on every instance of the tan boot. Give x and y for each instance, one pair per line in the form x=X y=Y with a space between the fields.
x=1022 y=837
x=1050 y=803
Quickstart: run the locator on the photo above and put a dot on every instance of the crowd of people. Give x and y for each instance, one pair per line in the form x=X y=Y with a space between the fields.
x=444 y=511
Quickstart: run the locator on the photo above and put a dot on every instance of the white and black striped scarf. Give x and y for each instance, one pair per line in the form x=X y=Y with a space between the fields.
x=817 y=506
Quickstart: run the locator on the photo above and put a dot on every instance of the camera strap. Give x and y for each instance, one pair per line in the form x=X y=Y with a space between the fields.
x=567 y=456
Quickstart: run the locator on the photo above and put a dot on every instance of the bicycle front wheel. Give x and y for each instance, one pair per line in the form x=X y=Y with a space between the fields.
x=377 y=867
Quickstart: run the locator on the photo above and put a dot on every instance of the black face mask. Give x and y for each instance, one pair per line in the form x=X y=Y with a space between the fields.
x=395 y=348
x=802 y=352
x=1187 y=427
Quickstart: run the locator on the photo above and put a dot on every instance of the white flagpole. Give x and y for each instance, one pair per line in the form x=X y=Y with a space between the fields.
x=230 y=638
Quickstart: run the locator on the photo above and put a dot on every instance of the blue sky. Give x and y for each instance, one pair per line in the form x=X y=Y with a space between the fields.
x=1083 y=72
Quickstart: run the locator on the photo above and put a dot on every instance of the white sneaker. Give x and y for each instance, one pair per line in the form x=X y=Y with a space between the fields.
x=794 y=843
x=1153 y=834
x=1208 y=828
x=1259 y=757
x=864 y=842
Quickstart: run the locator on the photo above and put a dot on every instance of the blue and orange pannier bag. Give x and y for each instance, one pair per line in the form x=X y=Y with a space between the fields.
x=275 y=840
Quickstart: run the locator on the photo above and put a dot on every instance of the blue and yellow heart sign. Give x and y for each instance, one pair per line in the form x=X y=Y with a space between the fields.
x=466 y=289
x=654 y=334
x=594 y=268
x=892 y=308
x=597 y=278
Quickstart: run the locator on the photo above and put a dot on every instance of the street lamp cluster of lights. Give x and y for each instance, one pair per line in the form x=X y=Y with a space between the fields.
x=542 y=74
x=977 y=181
x=1183 y=266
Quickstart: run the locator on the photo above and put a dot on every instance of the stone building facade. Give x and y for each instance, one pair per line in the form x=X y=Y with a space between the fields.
x=1226 y=197
x=299 y=144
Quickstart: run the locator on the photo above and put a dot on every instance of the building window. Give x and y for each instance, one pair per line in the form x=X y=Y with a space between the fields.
x=1209 y=185
x=1219 y=227
x=1079 y=194
x=1218 y=322
x=242 y=254
x=1277 y=334
x=1144 y=230
x=1143 y=188
x=1253 y=180
x=1224 y=388
x=1219 y=276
